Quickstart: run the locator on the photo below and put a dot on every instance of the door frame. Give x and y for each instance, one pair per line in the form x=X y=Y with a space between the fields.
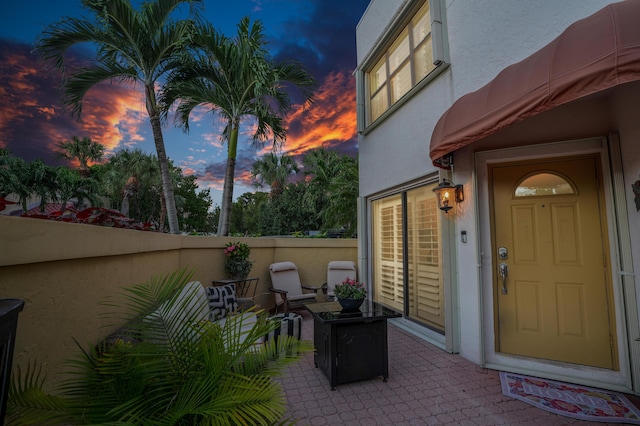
x=617 y=380
x=450 y=340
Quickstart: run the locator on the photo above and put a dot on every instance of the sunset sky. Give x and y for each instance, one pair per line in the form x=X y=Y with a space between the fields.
x=318 y=33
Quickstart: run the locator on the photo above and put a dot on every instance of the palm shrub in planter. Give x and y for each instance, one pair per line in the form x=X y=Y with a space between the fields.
x=188 y=372
x=237 y=264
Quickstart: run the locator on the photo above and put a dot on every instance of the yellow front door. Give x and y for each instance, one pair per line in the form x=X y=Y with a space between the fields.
x=552 y=290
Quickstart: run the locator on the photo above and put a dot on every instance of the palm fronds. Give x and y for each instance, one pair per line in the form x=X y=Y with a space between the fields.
x=185 y=370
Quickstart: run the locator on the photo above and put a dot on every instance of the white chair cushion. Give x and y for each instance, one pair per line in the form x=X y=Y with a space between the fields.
x=193 y=302
x=338 y=271
x=302 y=297
x=284 y=276
x=190 y=304
x=283 y=266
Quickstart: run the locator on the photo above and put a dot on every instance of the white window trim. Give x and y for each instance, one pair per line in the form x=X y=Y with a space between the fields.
x=449 y=341
x=440 y=53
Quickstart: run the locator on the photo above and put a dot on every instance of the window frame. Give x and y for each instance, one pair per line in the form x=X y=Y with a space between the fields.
x=546 y=191
x=403 y=23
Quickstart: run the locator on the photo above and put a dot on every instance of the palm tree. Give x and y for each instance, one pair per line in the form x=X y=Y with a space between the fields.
x=40 y=181
x=185 y=371
x=131 y=46
x=342 y=210
x=71 y=184
x=132 y=180
x=335 y=177
x=13 y=177
x=322 y=164
x=236 y=78
x=47 y=183
x=274 y=171
x=84 y=150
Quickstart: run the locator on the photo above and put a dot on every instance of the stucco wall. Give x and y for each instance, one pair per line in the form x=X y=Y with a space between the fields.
x=627 y=114
x=508 y=32
x=65 y=272
x=374 y=22
x=484 y=37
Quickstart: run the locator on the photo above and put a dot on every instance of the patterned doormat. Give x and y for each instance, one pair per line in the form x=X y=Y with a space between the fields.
x=578 y=402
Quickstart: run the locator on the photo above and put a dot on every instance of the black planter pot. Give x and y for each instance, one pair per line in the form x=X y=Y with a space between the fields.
x=350 y=305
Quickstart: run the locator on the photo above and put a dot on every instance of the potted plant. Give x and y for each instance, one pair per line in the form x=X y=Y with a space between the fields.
x=350 y=294
x=237 y=264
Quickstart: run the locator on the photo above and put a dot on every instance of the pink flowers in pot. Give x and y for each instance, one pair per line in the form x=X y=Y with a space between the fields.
x=350 y=289
x=237 y=264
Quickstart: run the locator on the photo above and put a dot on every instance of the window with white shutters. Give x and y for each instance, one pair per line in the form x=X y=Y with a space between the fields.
x=426 y=289
x=387 y=262
x=423 y=261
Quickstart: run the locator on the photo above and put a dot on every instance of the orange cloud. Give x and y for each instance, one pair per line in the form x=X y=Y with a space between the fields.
x=114 y=114
x=331 y=119
x=329 y=122
x=33 y=120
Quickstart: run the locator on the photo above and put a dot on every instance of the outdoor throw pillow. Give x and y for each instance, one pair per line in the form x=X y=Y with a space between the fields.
x=222 y=300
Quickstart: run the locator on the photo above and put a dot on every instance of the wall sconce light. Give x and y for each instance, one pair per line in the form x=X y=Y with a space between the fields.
x=447 y=193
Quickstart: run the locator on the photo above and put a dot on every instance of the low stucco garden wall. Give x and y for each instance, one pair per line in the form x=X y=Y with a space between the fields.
x=65 y=272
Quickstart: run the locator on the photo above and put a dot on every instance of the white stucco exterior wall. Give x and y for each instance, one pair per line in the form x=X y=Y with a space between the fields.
x=373 y=24
x=397 y=149
x=627 y=115
x=484 y=37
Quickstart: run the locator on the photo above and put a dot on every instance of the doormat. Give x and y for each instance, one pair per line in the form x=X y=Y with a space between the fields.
x=576 y=401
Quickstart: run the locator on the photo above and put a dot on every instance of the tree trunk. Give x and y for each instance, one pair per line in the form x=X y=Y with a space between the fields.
x=163 y=214
x=125 y=205
x=227 y=199
x=167 y=184
x=227 y=192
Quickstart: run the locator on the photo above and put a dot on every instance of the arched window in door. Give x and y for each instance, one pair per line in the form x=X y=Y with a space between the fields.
x=544 y=183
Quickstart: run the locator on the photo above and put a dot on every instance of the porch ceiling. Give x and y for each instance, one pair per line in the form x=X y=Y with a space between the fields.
x=592 y=55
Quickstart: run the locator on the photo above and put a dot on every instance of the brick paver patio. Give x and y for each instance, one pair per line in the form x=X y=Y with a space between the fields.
x=426 y=386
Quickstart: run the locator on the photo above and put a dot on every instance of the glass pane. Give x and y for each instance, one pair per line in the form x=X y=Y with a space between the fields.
x=400 y=83
x=387 y=252
x=423 y=60
x=426 y=283
x=421 y=25
x=379 y=104
x=377 y=76
x=399 y=52
x=544 y=184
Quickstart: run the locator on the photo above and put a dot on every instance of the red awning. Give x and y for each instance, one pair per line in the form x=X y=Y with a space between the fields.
x=592 y=55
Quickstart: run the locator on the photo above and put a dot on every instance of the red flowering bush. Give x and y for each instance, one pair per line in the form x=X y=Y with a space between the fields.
x=95 y=216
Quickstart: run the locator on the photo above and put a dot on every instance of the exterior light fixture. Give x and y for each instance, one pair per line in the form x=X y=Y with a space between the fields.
x=447 y=193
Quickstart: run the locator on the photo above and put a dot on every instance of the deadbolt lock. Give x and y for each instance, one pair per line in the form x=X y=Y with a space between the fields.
x=502 y=253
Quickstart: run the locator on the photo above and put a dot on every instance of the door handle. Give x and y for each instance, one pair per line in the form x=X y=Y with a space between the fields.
x=504 y=271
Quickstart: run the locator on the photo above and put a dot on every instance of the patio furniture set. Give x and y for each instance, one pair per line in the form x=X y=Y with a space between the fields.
x=349 y=346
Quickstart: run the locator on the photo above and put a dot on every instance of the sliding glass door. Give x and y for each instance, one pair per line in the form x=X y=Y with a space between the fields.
x=407 y=255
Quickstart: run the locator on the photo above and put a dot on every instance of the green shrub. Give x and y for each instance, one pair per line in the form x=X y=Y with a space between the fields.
x=189 y=373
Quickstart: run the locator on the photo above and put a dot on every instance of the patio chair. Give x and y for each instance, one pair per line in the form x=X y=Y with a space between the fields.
x=337 y=271
x=286 y=285
x=245 y=290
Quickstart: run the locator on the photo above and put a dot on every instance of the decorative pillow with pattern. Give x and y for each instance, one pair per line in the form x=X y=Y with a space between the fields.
x=222 y=300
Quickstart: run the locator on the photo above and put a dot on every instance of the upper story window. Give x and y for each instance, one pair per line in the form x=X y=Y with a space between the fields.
x=404 y=64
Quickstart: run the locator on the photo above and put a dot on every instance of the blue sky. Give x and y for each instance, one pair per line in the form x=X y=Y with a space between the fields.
x=318 y=33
